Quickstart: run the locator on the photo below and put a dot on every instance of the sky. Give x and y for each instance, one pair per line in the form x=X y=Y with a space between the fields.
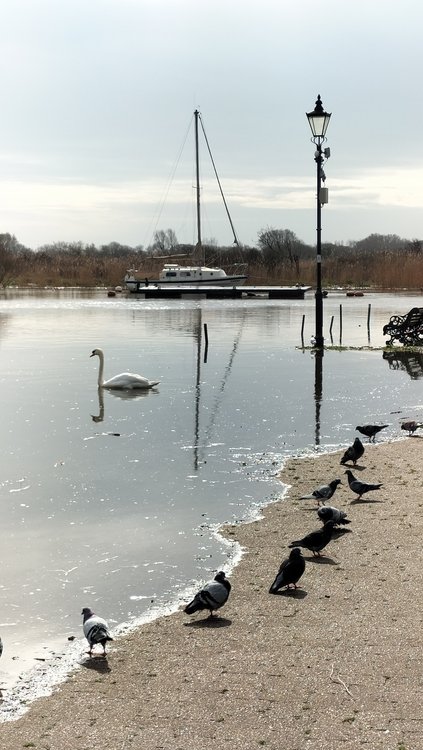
x=96 y=125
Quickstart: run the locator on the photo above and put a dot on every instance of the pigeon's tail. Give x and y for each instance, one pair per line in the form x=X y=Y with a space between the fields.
x=308 y=497
x=295 y=544
x=277 y=583
x=195 y=606
x=374 y=486
x=344 y=520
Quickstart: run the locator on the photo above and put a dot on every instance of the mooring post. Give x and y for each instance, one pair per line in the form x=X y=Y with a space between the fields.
x=368 y=316
x=330 y=328
x=340 y=324
x=302 y=331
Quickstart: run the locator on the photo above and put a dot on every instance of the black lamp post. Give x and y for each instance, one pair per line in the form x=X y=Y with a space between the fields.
x=319 y=120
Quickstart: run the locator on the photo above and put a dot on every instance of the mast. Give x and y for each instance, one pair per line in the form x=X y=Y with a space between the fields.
x=199 y=248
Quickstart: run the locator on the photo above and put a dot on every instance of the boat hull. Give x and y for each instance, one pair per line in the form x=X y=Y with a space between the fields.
x=137 y=285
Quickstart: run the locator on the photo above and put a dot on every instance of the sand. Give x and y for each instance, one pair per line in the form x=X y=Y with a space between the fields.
x=336 y=664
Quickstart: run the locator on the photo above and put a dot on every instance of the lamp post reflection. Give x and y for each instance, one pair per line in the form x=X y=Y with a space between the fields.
x=318 y=392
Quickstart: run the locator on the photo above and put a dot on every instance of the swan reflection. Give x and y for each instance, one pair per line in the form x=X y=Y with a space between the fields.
x=124 y=396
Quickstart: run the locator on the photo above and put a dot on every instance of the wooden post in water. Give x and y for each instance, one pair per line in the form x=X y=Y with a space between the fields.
x=302 y=331
x=368 y=319
x=340 y=324
x=330 y=329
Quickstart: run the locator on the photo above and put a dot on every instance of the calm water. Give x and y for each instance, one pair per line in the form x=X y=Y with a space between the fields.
x=111 y=501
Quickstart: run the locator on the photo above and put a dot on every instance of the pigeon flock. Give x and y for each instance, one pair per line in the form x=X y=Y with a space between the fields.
x=332 y=518
x=213 y=595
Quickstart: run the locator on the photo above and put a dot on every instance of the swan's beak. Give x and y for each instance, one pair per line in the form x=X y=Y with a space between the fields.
x=92 y=355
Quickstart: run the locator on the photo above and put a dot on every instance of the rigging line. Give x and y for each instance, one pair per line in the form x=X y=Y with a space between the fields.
x=150 y=231
x=218 y=181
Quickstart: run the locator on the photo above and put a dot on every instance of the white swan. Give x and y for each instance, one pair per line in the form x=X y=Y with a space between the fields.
x=126 y=380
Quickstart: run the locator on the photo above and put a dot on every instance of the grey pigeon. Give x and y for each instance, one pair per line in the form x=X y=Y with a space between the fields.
x=360 y=487
x=289 y=572
x=96 y=630
x=316 y=540
x=354 y=452
x=324 y=492
x=411 y=426
x=329 y=513
x=212 y=596
x=371 y=430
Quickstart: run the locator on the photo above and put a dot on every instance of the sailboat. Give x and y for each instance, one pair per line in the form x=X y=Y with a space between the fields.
x=197 y=274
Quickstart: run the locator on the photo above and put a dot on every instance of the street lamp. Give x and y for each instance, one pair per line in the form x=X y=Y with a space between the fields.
x=318 y=120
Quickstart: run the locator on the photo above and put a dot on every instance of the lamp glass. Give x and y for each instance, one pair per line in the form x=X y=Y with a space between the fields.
x=318 y=122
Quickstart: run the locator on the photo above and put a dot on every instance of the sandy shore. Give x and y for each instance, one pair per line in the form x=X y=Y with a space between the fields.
x=338 y=664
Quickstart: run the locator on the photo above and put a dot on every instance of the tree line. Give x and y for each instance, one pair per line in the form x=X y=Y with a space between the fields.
x=385 y=261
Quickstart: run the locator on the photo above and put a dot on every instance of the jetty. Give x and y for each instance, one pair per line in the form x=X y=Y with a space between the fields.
x=156 y=291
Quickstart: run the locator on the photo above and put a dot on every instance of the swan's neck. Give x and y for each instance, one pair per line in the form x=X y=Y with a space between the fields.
x=100 y=370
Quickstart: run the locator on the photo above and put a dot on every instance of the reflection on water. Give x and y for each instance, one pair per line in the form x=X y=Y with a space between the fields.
x=410 y=362
x=318 y=391
x=130 y=395
x=123 y=518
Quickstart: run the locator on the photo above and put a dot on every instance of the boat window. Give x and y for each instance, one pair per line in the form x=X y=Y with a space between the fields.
x=170 y=273
x=185 y=273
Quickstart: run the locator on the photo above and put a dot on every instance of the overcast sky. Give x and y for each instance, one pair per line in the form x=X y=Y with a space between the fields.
x=97 y=97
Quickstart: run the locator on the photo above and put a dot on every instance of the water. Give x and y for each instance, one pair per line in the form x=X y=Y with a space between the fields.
x=111 y=500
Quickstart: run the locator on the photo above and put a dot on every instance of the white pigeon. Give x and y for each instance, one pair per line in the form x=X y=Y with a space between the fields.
x=96 y=630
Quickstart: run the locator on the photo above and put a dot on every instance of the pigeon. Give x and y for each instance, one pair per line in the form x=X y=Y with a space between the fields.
x=289 y=572
x=316 y=540
x=411 y=426
x=96 y=630
x=371 y=430
x=329 y=513
x=212 y=596
x=354 y=452
x=324 y=492
x=360 y=487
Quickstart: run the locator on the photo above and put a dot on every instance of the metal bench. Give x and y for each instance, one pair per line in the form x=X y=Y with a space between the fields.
x=406 y=329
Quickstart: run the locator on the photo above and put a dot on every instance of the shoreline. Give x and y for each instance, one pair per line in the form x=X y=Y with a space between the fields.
x=333 y=665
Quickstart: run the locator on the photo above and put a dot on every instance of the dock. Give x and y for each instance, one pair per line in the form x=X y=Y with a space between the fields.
x=156 y=291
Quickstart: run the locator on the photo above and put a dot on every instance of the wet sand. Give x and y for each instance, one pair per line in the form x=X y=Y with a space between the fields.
x=336 y=664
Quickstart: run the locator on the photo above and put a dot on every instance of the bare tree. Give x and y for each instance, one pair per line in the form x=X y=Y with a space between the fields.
x=279 y=246
x=164 y=242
